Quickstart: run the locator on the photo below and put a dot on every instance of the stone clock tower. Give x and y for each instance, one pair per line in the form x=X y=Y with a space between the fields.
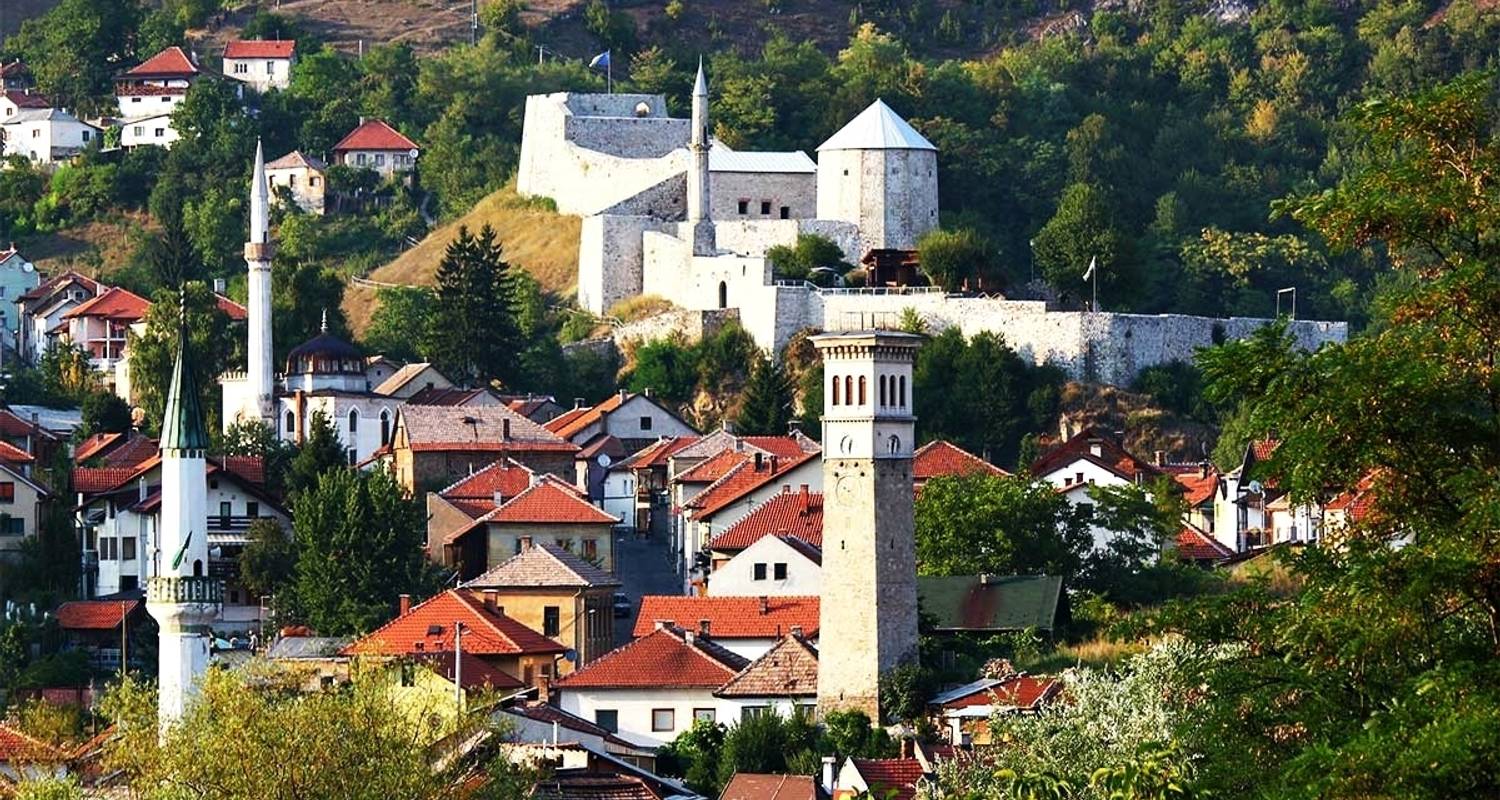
x=868 y=617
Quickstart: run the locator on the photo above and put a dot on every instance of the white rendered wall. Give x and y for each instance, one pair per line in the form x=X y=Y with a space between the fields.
x=736 y=578
x=635 y=707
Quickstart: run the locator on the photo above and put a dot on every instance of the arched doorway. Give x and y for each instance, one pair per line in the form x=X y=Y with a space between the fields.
x=723 y=295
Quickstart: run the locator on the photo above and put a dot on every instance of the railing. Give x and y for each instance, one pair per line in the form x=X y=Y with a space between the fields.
x=164 y=589
x=219 y=523
x=876 y=290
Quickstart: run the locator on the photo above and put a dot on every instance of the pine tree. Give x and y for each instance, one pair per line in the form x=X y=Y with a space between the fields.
x=473 y=336
x=766 y=405
x=320 y=452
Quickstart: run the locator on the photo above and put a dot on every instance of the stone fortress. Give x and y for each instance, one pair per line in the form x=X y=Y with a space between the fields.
x=669 y=211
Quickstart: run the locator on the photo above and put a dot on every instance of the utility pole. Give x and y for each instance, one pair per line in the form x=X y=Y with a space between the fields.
x=458 y=665
x=473 y=22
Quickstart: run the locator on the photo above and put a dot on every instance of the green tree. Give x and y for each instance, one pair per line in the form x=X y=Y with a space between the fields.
x=401 y=318
x=1083 y=232
x=474 y=305
x=252 y=437
x=360 y=541
x=269 y=562
x=75 y=49
x=319 y=453
x=999 y=525
x=811 y=258
x=105 y=412
x=667 y=367
x=66 y=372
x=766 y=403
x=153 y=352
x=953 y=258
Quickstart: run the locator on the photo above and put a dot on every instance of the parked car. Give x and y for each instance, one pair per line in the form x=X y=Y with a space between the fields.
x=623 y=606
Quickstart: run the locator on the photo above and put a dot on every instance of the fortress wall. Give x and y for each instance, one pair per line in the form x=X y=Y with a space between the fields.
x=610 y=253
x=666 y=199
x=843 y=234
x=610 y=105
x=691 y=324
x=798 y=191
x=668 y=258
x=628 y=137
x=754 y=237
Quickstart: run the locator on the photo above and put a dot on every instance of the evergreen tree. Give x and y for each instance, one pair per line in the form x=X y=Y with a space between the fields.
x=473 y=335
x=269 y=561
x=105 y=412
x=766 y=405
x=320 y=452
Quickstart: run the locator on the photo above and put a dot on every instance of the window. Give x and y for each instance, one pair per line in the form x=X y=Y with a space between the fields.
x=663 y=719
x=270 y=67
x=408 y=674
x=359 y=158
x=849 y=390
x=36 y=133
x=140 y=130
x=744 y=207
x=751 y=712
x=353 y=420
x=901 y=397
x=312 y=180
x=705 y=714
x=106 y=548
x=861 y=390
x=160 y=132
x=882 y=391
x=129 y=583
x=291 y=422
x=380 y=159
x=786 y=212
x=127 y=548
x=778 y=571
x=759 y=571
x=135 y=99
x=645 y=423
x=590 y=549
x=551 y=621
x=86 y=135
x=385 y=424
x=8 y=492
x=13 y=526
x=291 y=180
x=241 y=68
x=765 y=207
x=607 y=719
x=835 y=390
x=226 y=510
x=353 y=456
x=252 y=509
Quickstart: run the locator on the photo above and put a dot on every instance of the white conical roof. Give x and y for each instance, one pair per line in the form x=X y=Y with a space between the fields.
x=700 y=86
x=260 y=200
x=877 y=128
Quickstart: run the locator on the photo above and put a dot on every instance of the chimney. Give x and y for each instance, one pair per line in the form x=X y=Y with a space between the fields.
x=490 y=595
x=802 y=490
x=141 y=490
x=363 y=120
x=793 y=427
x=830 y=765
x=759 y=462
x=623 y=395
x=1160 y=457
x=647 y=391
x=797 y=631
x=544 y=694
x=577 y=403
x=703 y=626
x=689 y=637
x=906 y=746
x=1203 y=469
x=765 y=604
x=525 y=543
x=219 y=285
x=663 y=624
x=774 y=461
x=505 y=430
x=405 y=607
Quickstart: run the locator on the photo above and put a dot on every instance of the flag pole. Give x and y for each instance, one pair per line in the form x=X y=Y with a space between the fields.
x=609 y=74
x=1096 y=290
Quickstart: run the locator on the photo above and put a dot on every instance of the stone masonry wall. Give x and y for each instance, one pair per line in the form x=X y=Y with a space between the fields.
x=609 y=258
x=798 y=191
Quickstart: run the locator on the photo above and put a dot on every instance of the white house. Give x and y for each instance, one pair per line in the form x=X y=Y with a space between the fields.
x=755 y=479
x=303 y=176
x=264 y=64
x=782 y=681
x=14 y=100
x=46 y=135
x=377 y=146
x=1091 y=459
x=153 y=129
x=773 y=565
x=151 y=91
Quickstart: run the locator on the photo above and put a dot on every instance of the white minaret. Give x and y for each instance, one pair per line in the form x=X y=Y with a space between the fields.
x=868 y=613
x=259 y=250
x=698 y=214
x=181 y=596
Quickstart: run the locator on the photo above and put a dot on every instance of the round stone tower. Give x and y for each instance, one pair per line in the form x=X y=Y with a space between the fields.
x=880 y=174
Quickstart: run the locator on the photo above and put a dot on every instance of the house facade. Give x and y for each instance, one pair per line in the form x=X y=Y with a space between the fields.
x=773 y=565
x=101 y=326
x=148 y=93
x=434 y=446
x=46 y=135
x=17 y=278
x=375 y=145
x=262 y=64
x=302 y=176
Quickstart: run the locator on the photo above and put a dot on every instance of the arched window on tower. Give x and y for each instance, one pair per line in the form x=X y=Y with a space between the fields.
x=197 y=568
x=354 y=420
x=861 y=390
x=835 y=390
x=723 y=295
x=291 y=422
x=882 y=391
x=894 y=443
x=385 y=427
x=849 y=390
x=901 y=396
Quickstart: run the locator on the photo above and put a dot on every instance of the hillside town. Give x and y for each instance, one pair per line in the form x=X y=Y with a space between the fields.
x=586 y=409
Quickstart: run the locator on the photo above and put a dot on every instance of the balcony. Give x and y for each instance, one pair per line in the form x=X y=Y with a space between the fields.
x=218 y=523
x=162 y=589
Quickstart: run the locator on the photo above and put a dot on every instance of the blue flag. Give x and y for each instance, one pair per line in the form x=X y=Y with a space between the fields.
x=600 y=61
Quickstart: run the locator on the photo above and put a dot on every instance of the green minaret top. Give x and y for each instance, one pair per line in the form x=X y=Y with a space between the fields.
x=182 y=423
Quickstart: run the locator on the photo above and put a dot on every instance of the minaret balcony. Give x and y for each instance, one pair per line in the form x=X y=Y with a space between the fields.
x=170 y=590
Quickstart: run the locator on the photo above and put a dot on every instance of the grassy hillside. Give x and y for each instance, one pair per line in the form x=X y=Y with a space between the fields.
x=542 y=242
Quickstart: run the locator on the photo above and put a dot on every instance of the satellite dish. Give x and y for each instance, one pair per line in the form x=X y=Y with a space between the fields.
x=1256 y=488
x=28 y=267
x=604 y=460
x=571 y=655
x=414 y=152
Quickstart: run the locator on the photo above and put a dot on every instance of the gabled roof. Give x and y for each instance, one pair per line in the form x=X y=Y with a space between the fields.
x=406 y=374
x=755 y=786
x=543 y=565
x=136 y=449
x=656 y=453
x=542 y=711
x=94 y=445
x=428 y=628
x=581 y=785
x=891 y=778
x=713 y=468
x=877 y=128
x=476 y=428
x=1112 y=457
x=10 y=454
x=506 y=477
x=14 y=425
x=298 y=159
x=449 y=396
x=41 y=115
x=260 y=48
x=94 y=615
x=233 y=310
x=477 y=674
x=788 y=669
x=945 y=458
x=18 y=747
x=1195 y=545
x=57 y=282
x=796 y=514
x=742 y=480
x=549 y=501
x=114 y=303
x=731 y=617
x=27 y=99
x=1022 y=692
x=577 y=419
x=664 y=658
x=1198 y=482
x=990 y=602
x=169 y=63
x=374 y=134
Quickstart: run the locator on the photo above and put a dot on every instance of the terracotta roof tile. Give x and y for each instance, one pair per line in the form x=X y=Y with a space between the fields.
x=10 y=454
x=574 y=785
x=1197 y=487
x=945 y=458
x=570 y=424
x=753 y=786
x=788 y=669
x=374 y=134
x=171 y=62
x=742 y=480
x=657 y=453
x=17 y=747
x=505 y=476
x=92 y=446
x=136 y=449
x=11 y=424
x=93 y=480
x=115 y=303
x=551 y=501
x=661 y=659
x=260 y=48
x=1264 y=448
x=795 y=514
x=94 y=615
x=543 y=564
x=1195 y=545
x=782 y=446
x=731 y=617
x=27 y=99
x=251 y=469
x=713 y=468
x=231 y=309
x=477 y=674
x=1025 y=692
x=890 y=775
x=476 y=428
x=298 y=159
x=428 y=628
x=1111 y=457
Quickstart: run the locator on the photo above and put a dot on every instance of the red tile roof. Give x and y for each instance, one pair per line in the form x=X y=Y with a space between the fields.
x=1197 y=487
x=657 y=453
x=136 y=449
x=11 y=454
x=788 y=669
x=1264 y=449
x=576 y=785
x=660 y=659
x=892 y=778
x=92 y=446
x=570 y=424
x=1112 y=457
x=115 y=304
x=94 y=615
x=51 y=284
x=260 y=48
x=171 y=62
x=251 y=469
x=505 y=476
x=27 y=99
x=477 y=674
x=93 y=480
x=549 y=502
x=1026 y=692
x=428 y=628
x=233 y=310
x=752 y=786
x=1195 y=545
x=945 y=458
x=17 y=747
x=782 y=446
x=794 y=513
x=743 y=480
x=480 y=428
x=731 y=617
x=714 y=467
x=374 y=134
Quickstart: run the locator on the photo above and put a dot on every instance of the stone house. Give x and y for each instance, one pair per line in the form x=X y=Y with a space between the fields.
x=433 y=446
x=304 y=177
x=549 y=589
x=375 y=145
x=748 y=626
x=488 y=634
x=46 y=135
x=263 y=64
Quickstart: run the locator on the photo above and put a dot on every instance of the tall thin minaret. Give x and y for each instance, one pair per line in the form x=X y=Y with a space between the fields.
x=868 y=614
x=181 y=596
x=698 y=214
x=258 y=253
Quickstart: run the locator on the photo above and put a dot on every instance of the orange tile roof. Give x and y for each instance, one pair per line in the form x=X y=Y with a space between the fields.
x=171 y=62
x=743 y=480
x=731 y=617
x=90 y=447
x=231 y=309
x=1264 y=448
x=714 y=467
x=260 y=48
x=251 y=469
x=657 y=453
x=428 y=628
x=782 y=446
x=136 y=449
x=17 y=747
x=661 y=659
x=94 y=615
x=1197 y=488
x=94 y=480
x=374 y=134
x=945 y=458
x=794 y=513
x=1195 y=545
x=571 y=423
x=115 y=303
x=548 y=502
x=11 y=454
x=12 y=425
x=890 y=778
x=1020 y=691
x=754 y=786
x=1112 y=457
x=477 y=674
x=505 y=476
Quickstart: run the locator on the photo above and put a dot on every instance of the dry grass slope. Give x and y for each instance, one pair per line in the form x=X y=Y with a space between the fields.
x=543 y=242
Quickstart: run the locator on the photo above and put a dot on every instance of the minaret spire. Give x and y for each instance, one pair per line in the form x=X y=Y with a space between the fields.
x=698 y=213
x=259 y=396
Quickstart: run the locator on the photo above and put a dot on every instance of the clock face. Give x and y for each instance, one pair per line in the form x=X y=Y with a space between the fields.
x=846 y=445
x=844 y=488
